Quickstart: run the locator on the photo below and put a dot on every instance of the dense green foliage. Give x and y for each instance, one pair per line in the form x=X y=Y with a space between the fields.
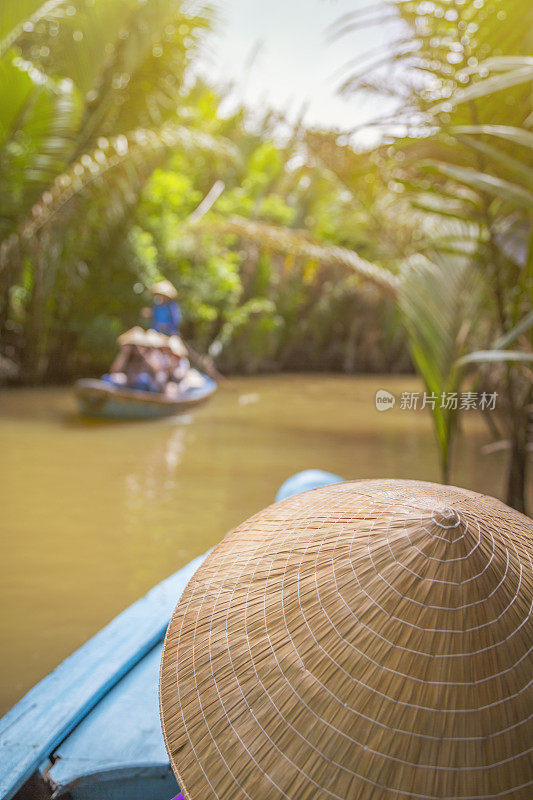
x=465 y=169
x=252 y=307
x=445 y=202
x=317 y=255
x=94 y=96
x=109 y=145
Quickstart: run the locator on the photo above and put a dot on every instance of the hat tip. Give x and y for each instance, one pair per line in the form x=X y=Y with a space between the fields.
x=446 y=517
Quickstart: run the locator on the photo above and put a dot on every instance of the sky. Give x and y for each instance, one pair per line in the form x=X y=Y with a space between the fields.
x=294 y=64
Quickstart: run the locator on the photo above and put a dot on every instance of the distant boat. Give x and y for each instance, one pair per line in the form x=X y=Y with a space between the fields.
x=91 y=728
x=101 y=399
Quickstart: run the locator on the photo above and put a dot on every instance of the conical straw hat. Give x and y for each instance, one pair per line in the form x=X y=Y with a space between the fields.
x=155 y=339
x=134 y=335
x=365 y=640
x=177 y=346
x=165 y=288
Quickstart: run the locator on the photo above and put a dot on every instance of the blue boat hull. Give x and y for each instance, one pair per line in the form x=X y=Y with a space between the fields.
x=99 y=399
x=305 y=481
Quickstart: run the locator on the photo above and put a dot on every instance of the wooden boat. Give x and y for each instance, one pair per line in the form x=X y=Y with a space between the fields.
x=100 y=399
x=91 y=730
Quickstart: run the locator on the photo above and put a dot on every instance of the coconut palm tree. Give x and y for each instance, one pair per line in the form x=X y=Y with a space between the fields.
x=93 y=97
x=448 y=196
x=468 y=155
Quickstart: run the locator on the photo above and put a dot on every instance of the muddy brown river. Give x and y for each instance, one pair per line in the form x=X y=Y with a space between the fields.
x=93 y=514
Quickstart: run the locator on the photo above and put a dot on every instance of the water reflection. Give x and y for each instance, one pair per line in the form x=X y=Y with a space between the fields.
x=155 y=481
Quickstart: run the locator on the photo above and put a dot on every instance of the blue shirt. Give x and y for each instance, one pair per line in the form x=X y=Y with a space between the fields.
x=166 y=318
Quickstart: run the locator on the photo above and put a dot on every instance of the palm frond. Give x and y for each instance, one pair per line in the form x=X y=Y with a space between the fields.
x=505 y=132
x=504 y=190
x=285 y=240
x=486 y=87
x=21 y=17
x=139 y=152
x=495 y=356
x=40 y=116
x=439 y=303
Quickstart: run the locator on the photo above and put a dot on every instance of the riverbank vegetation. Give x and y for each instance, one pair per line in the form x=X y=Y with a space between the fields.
x=319 y=254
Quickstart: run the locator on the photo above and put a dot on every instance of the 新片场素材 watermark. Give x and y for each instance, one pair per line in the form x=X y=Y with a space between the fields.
x=450 y=401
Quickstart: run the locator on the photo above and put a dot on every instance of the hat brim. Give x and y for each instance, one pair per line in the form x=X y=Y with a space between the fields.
x=354 y=642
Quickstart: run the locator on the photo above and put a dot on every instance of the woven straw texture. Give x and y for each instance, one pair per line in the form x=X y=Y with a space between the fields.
x=366 y=640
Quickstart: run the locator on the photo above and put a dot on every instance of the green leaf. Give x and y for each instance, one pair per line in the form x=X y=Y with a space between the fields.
x=515 y=166
x=37 y=128
x=510 y=134
x=117 y=169
x=495 y=356
x=483 y=182
x=503 y=63
x=437 y=296
x=483 y=88
x=523 y=326
x=17 y=18
x=284 y=240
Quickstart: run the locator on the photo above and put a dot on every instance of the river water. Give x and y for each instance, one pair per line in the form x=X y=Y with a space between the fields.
x=93 y=514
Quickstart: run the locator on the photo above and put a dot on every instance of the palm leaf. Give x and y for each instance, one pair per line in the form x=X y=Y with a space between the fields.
x=119 y=46
x=484 y=182
x=284 y=240
x=500 y=160
x=495 y=356
x=521 y=327
x=17 y=18
x=39 y=120
x=486 y=88
x=498 y=354
x=122 y=162
x=439 y=302
x=506 y=132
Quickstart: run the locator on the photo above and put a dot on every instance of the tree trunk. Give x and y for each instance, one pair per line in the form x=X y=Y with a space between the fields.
x=517 y=470
x=33 y=361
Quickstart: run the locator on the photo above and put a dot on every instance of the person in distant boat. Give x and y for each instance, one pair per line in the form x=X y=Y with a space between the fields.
x=158 y=357
x=165 y=313
x=179 y=364
x=133 y=367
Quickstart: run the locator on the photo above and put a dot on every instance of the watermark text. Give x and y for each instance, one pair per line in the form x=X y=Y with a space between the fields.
x=449 y=401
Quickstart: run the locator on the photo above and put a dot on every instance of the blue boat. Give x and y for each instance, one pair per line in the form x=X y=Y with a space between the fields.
x=100 y=399
x=90 y=730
